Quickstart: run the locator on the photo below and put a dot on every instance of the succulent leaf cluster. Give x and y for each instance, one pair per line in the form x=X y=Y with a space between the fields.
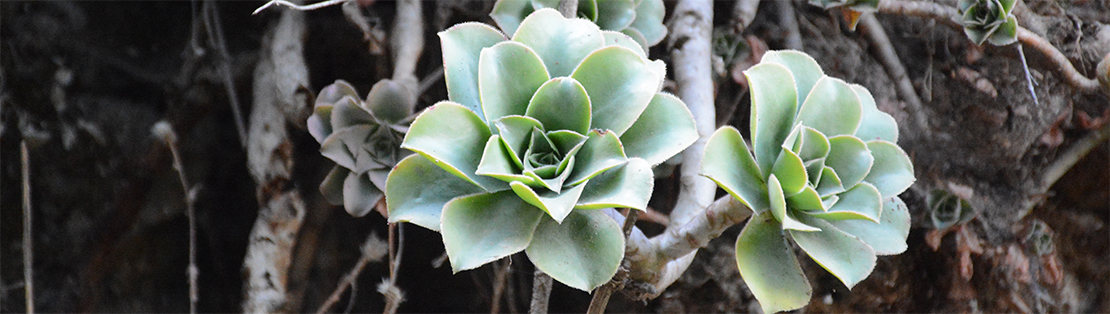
x=640 y=19
x=362 y=137
x=823 y=170
x=852 y=9
x=539 y=132
x=989 y=20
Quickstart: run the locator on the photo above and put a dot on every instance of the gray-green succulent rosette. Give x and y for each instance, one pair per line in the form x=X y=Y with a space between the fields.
x=852 y=9
x=539 y=132
x=363 y=138
x=989 y=20
x=823 y=170
x=640 y=19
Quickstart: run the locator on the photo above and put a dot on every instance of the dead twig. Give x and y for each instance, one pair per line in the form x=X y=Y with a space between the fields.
x=948 y=16
x=388 y=288
x=541 y=292
x=501 y=275
x=1066 y=160
x=372 y=250
x=298 y=7
x=884 y=51
x=165 y=131
x=211 y=16
x=785 y=11
x=28 y=244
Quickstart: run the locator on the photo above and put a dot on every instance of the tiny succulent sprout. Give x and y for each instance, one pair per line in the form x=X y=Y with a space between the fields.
x=947 y=209
x=539 y=132
x=852 y=9
x=641 y=20
x=989 y=20
x=823 y=170
x=363 y=138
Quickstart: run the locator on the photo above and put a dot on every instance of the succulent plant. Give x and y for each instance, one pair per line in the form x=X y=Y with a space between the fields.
x=539 y=132
x=947 y=209
x=826 y=172
x=852 y=9
x=363 y=138
x=640 y=19
x=989 y=20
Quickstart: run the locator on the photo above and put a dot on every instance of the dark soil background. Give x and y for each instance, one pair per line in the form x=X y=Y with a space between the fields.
x=83 y=82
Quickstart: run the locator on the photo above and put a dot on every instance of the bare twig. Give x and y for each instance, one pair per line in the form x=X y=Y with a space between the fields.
x=164 y=130
x=601 y=295
x=427 y=82
x=1073 y=155
x=501 y=275
x=884 y=51
x=28 y=244
x=388 y=287
x=294 y=6
x=948 y=16
x=373 y=249
x=211 y=16
x=743 y=14
x=541 y=292
x=785 y=11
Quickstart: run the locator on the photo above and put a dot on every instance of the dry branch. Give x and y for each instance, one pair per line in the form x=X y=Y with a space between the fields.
x=884 y=51
x=28 y=244
x=165 y=131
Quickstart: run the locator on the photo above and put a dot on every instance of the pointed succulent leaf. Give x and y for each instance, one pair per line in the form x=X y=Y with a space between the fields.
x=567 y=142
x=582 y=252
x=728 y=162
x=417 y=190
x=359 y=194
x=379 y=177
x=334 y=92
x=508 y=75
x=556 y=205
x=614 y=38
x=601 y=152
x=893 y=172
x=1006 y=33
x=615 y=14
x=639 y=38
x=508 y=14
x=561 y=104
x=774 y=103
x=778 y=208
x=830 y=183
x=806 y=200
x=664 y=129
x=946 y=209
x=860 y=202
x=453 y=137
x=347 y=113
x=319 y=124
x=562 y=43
x=344 y=146
x=621 y=84
x=812 y=145
x=850 y=158
x=516 y=133
x=462 y=46
x=332 y=186
x=842 y=254
x=769 y=267
x=497 y=162
x=805 y=70
x=887 y=237
x=791 y=172
x=482 y=228
x=832 y=107
x=627 y=185
x=390 y=101
x=874 y=124
x=649 y=21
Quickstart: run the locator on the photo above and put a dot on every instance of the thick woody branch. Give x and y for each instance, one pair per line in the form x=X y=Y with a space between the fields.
x=407 y=41
x=948 y=16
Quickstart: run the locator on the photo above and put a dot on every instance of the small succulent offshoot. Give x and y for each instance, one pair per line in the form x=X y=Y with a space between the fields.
x=823 y=170
x=539 y=132
x=640 y=19
x=989 y=21
x=363 y=138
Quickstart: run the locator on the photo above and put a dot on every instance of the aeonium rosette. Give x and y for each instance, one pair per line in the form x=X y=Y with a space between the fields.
x=823 y=170
x=540 y=131
x=989 y=20
x=642 y=20
x=363 y=138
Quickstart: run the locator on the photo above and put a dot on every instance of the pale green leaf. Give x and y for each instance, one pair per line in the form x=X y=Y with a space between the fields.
x=805 y=70
x=664 y=129
x=482 y=228
x=830 y=183
x=649 y=21
x=774 y=104
x=332 y=186
x=892 y=173
x=347 y=112
x=887 y=237
x=508 y=75
x=601 y=152
x=417 y=189
x=462 y=46
x=812 y=144
x=1006 y=33
x=346 y=146
x=556 y=205
x=561 y=104
x=359 y=194
x=516 y=133
x=453 y=137
x=390 y=101
x=874 y=124
x=582 y=252
x=497 y=162
x=614 y=38
x=860 y=202
x=728 y=162
x=778 y=207
x=639 y=38
x=561 y=43
x=620 y=84
x=790 y=172
x=615 y=14
x=832 y=107
x=842 y=254
x=508 y=14
x=769 y=268
x=850 y=158
x=806 y=200
x=628 y=185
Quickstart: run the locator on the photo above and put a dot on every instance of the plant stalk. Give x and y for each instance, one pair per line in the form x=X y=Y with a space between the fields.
x=541 y=292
